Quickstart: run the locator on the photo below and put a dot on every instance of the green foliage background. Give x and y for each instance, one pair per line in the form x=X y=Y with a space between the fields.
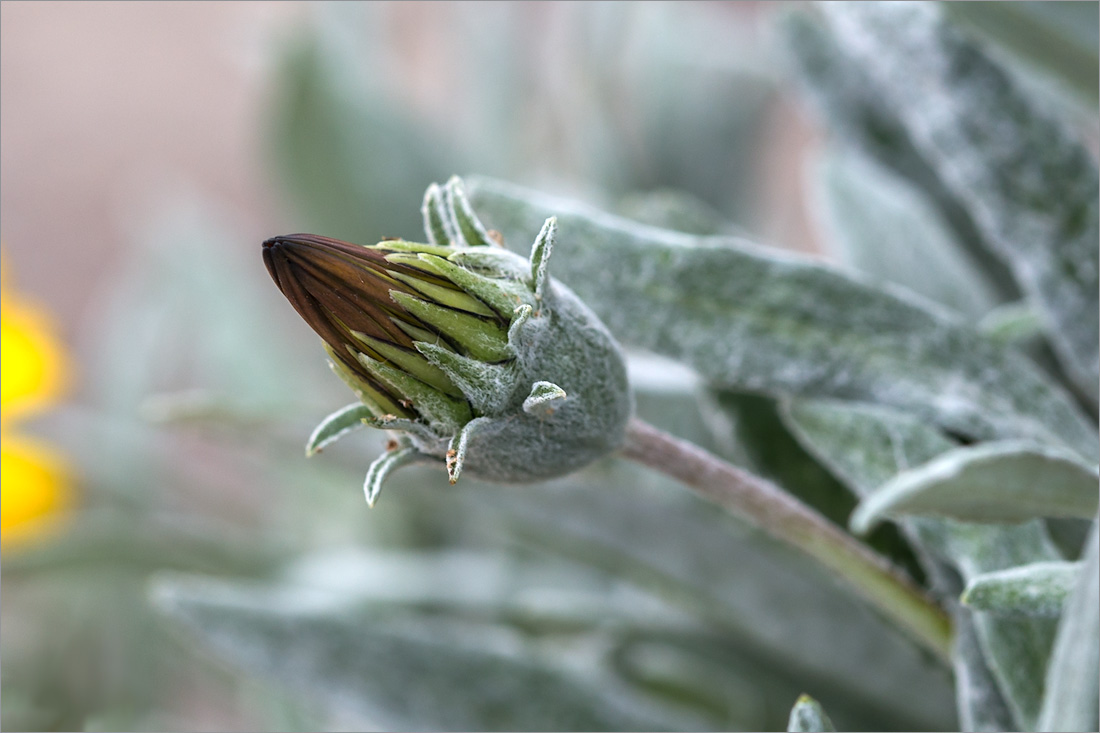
x=954 y=333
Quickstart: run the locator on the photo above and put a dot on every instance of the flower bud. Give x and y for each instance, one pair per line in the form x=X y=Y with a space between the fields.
x=472 y=355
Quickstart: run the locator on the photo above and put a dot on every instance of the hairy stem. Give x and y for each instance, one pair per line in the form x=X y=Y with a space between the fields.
x=773 y=510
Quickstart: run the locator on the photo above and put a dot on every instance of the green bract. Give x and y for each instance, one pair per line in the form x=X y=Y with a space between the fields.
x=472 y=354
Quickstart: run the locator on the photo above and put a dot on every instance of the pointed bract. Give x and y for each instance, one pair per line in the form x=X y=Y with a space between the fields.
x=485 y=385
x=336 y=425
x=459 y=445
x=544 y=399
x=435 y=218
x=470 y=228
x=386 y=464
x=540 y=256
x=444 y=413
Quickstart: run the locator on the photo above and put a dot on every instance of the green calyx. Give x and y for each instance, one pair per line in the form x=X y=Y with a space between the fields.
x=467 y=352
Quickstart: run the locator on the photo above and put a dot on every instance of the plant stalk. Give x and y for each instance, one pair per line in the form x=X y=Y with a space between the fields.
x=782 y=516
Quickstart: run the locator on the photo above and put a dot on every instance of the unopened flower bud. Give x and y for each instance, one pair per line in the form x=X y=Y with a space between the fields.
x=472 y=354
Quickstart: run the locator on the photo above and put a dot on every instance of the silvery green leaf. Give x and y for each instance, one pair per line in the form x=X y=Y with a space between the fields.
x=879 y=224
x=1036 y=589
x=740 y=690
x=752 y=434
x=863 y=445
x=1072 y=678
x=990 y=482
x=480 y=582
x=396 y=671
x=590 y=622
x=977 y=549
x=807 y=715
x=1059 y=37
x=980 y=702
x=654 y=647
x=1031 y=188
x=760 y=320
x=838 y=86
x=1016 y=648
x=631 y=523
x=750 y=431
x=868 y=445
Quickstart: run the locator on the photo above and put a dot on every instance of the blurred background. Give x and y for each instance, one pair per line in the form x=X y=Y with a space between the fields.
x=158 y=390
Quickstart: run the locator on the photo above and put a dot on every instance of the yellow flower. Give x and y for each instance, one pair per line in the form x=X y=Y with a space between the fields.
x=37 y=489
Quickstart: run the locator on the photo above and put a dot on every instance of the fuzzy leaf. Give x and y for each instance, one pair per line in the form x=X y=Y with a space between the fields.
x=1038 y=589
x=632 y=523
x=992 y=482
x=750 y=432
x=646 y=642
x=784 y=627
x=879 y=224
x=980 y=702
x=863 y=445
x=479 y=582
x=807 y=715
x=1072 y=678
x=837 y=85
x=395 y=673
x=868 y=445
x=1059 y=37
x=1031 y=188
x=760 y=320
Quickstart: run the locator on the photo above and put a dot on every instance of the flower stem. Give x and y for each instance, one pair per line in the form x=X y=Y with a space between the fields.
x=773 y=510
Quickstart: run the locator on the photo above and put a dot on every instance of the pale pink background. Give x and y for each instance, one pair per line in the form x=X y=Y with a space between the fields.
x=108 y=107
x=105 y=103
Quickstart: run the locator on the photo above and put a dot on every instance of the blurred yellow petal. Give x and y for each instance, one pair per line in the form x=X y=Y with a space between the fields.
x=36 y=489
x=33 y=368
